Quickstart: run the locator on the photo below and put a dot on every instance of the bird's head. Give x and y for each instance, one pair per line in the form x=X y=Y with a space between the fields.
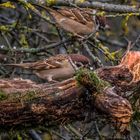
x=80 y=60
x=101 y=21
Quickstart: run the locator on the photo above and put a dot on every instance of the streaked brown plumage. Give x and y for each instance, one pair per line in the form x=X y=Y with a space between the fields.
x=80 y=22
x=56 y=68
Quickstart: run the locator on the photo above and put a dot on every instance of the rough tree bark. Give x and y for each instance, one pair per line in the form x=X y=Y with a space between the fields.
x=26 y=103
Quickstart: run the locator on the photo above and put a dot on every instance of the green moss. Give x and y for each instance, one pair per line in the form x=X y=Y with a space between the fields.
x=91 y=80
x=18 y=97
x=50 y=2
x=3 y=96
x=30 y=95
x=7 y=5
x=19 y=137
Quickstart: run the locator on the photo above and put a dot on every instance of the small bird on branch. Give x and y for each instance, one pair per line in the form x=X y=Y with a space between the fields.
x=56 y=68
x=76 y=20
x=79 y=21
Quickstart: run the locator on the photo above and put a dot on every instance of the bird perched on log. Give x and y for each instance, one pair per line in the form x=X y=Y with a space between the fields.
x=79 y=21
x=56 y=68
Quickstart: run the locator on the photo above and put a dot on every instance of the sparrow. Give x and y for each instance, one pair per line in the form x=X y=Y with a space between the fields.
x=80 y=22
x=56 y=68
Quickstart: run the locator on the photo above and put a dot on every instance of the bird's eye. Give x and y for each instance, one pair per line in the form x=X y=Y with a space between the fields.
x=79 y=64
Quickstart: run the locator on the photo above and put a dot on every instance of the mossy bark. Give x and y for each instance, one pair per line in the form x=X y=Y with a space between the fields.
x=25 y=103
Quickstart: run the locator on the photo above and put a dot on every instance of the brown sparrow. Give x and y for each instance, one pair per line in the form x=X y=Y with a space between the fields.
x=56 y=68
x=80 y=22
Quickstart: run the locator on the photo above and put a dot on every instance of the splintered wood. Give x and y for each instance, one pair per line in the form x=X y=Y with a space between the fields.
x=132 y=61
x=125 y=76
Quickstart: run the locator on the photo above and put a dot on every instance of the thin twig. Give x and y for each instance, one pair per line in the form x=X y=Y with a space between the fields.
x=94 y=58
x=111 y=42
x=59 y=135
x=98 y=131
x=34 y=135
x=136 y=41
x=101 y=6
x=7 y=41
x=36 y=50
x=74 y=131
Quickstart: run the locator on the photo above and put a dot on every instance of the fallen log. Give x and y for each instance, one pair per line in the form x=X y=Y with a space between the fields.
x=25 y=103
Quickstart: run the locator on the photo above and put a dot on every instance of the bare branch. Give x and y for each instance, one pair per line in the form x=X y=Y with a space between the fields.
x=101 y=6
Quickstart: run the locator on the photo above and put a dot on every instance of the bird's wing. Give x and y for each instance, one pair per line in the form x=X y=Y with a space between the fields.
x=50 y=63
x=74 y=20
x=80 y=15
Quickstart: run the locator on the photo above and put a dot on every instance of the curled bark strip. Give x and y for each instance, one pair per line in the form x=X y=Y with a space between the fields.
x=126 y=75
x=118 y=108
x=132 y=61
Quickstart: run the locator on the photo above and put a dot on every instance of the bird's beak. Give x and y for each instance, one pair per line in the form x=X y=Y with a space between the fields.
x=90 y=66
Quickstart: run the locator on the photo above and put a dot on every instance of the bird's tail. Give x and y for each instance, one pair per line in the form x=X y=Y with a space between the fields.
x=24 y=65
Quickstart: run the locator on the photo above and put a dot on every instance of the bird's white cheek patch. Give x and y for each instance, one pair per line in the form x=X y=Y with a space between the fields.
x=63 y=19
x=91 y=68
